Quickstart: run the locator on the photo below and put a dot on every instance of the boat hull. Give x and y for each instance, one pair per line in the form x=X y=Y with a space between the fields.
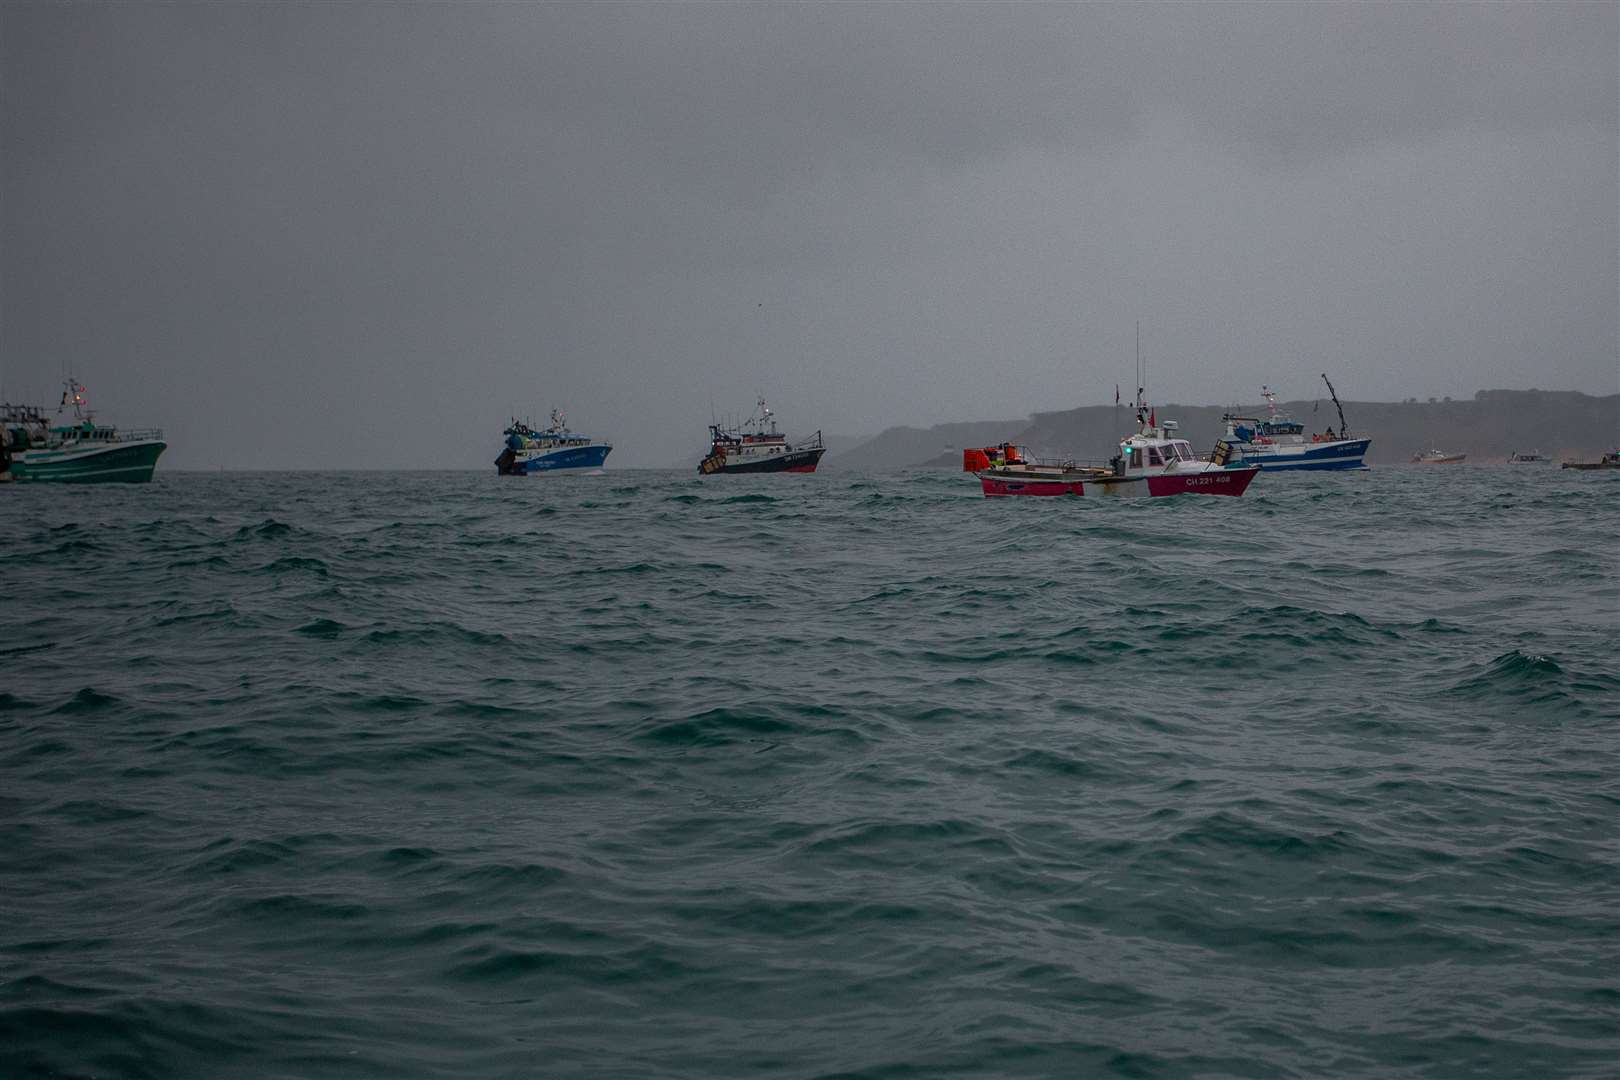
x=794 y=461
x=1225 y=481
x=1340 y=454
x=569 y=458
x=119 y=462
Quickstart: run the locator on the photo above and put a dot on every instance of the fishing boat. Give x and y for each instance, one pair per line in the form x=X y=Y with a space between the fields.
x=1437 y=457
x=1610 y=460
x=756 y=446
x=1155 y=461
x=1534 y=457
x=1278 y=442
x=553 y=449
x=36 y=448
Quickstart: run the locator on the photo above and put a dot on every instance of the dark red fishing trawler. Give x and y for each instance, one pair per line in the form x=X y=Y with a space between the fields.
x=751 y=448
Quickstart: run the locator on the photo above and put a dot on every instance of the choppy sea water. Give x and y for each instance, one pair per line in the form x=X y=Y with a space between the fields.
x=857 y=775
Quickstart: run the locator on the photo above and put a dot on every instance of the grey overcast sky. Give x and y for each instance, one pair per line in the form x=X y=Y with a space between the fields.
x=362 y=234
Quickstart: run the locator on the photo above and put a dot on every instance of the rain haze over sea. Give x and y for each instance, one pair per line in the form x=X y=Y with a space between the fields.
x=363 y=234
x=855 y=774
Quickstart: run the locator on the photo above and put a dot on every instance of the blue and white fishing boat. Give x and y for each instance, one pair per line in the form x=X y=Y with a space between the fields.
x=1279 y=442
x=555 y=449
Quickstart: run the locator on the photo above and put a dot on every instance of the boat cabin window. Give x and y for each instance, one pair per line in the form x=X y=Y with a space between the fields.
x=1153 y=456
x=1136 y=457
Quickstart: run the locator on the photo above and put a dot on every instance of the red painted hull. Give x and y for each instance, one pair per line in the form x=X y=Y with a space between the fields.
x=1214 y=482
x=995 y=485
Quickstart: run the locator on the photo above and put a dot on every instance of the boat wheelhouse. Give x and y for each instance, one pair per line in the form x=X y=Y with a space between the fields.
x=553 y=449
x=756 y=445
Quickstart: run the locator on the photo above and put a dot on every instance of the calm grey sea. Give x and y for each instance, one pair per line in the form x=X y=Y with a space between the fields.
x=856 y=775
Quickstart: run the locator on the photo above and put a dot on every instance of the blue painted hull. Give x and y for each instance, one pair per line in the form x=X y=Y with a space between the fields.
x=573 y=457
x=1337 y=455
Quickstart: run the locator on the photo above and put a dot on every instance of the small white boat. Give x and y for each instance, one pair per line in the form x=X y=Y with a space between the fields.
x=1437 y=457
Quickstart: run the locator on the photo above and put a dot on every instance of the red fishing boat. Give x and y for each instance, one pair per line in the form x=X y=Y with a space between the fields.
x=1154 y=461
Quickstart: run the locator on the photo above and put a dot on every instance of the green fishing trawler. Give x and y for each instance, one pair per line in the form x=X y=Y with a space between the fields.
x=37 y=448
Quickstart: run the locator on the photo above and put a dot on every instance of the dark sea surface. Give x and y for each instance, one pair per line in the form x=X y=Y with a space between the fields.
x=858 y=775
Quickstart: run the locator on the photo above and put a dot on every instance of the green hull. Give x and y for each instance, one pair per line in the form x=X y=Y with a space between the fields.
x=129 y=464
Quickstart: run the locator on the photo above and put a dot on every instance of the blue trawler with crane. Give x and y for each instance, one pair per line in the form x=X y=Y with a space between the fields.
x=1279 y=442
x=554 y=449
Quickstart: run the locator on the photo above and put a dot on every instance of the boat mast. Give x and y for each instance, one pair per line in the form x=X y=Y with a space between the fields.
x=1141 y=382
x=73 y=394
x=1344 y=428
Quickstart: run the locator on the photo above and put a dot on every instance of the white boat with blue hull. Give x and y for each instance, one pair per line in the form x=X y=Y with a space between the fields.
x=1279 y=443
x=556 y=449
